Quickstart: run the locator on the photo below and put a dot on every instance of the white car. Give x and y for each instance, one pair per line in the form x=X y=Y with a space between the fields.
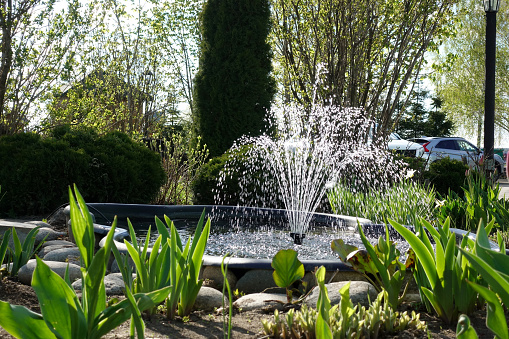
x=404 y=147
x=436 y=148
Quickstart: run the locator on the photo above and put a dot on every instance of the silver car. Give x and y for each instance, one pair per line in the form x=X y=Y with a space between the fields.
x=436 y=148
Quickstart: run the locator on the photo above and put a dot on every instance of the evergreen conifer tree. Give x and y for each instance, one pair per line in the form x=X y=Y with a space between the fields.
x=233 y=87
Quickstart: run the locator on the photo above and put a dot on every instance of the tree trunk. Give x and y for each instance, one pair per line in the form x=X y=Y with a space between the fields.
x=6 y=62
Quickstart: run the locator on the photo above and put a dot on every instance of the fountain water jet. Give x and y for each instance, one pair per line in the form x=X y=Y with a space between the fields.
x=306 y=152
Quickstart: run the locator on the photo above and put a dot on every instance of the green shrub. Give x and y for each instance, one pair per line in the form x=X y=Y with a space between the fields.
x=447 y=175
x=480 y=201
x=228 y=180
x=36 y=171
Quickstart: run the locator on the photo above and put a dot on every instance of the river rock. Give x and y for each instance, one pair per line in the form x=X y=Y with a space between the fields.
x=359 y=291
x=257 y=281
x=47 y=249
x=115 y=269
x=26 y=271
x=209 y=299
x=63 y=254
x=58 y=217
x=330 y=277
x=113 y=284
x=263 y=302
x=47 y=234
x=57 y=243
x=213 y=277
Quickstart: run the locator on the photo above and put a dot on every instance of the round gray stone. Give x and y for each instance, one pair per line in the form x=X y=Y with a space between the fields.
x=47 y=249
x=57 y=242
x=25 y=272
x=63 y=254
x=359 y=291
x=47 y=234
x=209 y=299
x=214 y=278
x=113 y=284
x=257 y=281
x=260 y=302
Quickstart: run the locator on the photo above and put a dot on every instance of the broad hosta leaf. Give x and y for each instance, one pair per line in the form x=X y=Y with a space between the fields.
x=287 y=268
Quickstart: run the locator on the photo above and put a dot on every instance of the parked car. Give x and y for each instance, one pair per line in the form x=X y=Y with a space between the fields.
x=436 y=148
x=404 y=147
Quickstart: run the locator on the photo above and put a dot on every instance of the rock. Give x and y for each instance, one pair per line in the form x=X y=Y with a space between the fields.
x=47 y=234
x=263 y=302
x=115 y=269
x=113 y=284
x=63 y=254
x=57 y=218
x=57 y=242
x=257 y=281
x=359 y=291
x=26 y=271
x=213 y=277
x=39 y=223
x=332 y=276
x=209 y=299
x=47 y=249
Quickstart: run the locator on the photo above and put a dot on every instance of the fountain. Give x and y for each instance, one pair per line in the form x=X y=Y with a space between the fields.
x=311 y=150
x=308 y=152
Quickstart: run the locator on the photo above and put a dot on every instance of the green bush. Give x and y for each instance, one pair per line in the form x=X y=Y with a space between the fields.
x=36 y=171
x=447 y=174
x=229 y=180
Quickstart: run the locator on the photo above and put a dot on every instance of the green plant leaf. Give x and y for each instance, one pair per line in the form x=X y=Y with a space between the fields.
x=287 y=268
x=421 y=251
x=497 y=281
x=342 y=249
x=22 y=323
x=82 y=227
x=495 y=316
x=464 y=330
x=59 y=305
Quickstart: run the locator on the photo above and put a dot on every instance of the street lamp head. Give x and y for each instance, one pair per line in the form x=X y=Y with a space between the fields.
x=491 y=5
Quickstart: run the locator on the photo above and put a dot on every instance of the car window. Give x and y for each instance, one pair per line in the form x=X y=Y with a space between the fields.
x=466 y=146
x=448 y=144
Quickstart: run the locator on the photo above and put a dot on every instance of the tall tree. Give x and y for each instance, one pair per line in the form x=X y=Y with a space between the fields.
x=372 y=50
x=178 y=34
x=417 y=120
x=460 y=70
x=121 y=80
x=38 y=42
x=233 y=87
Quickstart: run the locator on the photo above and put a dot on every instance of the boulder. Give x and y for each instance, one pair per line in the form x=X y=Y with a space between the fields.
x=57 y=242
x=26 y=271
x=47 y=249
x=209 y=299
x=359 y=291
x=113 y=284
x=262 y=302
x=213 y=277
x=63 y=254
x=257 y=281
x=46 y=233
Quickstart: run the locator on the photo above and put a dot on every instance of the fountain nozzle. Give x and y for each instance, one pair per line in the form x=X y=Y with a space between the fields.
x=297 y=238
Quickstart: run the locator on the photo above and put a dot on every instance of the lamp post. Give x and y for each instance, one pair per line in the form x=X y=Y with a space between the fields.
x=491 y=8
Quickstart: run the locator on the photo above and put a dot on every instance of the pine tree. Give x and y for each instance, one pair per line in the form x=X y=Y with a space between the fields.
x=233 y=87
